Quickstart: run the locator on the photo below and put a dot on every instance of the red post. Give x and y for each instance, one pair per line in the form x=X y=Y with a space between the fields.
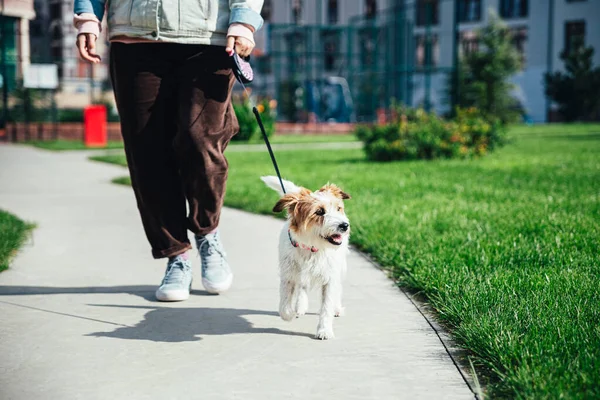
x=94 y=120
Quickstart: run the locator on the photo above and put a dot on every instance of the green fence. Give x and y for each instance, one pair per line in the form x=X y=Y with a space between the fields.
x=355 y=71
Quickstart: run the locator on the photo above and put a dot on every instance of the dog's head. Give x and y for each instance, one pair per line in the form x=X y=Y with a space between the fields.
x=319 y=214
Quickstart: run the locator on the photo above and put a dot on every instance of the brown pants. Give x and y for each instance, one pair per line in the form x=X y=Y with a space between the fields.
x=174 y=102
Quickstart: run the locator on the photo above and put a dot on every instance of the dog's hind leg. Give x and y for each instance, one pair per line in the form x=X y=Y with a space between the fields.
x=288 y=298
x=302 y=303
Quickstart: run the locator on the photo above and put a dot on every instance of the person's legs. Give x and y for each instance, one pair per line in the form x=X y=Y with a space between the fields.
x=143 y=82
x=145 y=92
x=207 y=122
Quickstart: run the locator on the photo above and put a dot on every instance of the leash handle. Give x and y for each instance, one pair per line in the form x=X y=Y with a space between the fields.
x=266 y=139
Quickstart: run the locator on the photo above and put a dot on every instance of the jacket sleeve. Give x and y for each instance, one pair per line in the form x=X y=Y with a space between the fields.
x=245 y=12
x=95 y=7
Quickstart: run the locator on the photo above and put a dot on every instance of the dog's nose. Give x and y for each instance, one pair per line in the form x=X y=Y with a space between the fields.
x=343 y=226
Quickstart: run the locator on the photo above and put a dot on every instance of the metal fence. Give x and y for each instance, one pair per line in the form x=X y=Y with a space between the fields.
x=356 y=71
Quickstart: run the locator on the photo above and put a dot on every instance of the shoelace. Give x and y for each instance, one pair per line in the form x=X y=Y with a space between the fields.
x=208 y=246
x=175 y=272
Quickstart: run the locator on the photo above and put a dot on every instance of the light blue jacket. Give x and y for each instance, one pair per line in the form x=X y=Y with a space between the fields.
x=180 y=21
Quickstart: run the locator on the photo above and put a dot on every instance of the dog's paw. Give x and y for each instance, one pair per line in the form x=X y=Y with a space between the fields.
x=287 y=314
x=324 y=334
x=340 y=312
x=302 y=307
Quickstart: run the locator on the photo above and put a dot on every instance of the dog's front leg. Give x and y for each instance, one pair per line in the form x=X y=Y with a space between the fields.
x=302 y=303
x=339 y=309
x=325 y=327
x=288 y=298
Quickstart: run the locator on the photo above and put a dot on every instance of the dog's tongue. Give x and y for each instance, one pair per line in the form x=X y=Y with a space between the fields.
x=337 y=237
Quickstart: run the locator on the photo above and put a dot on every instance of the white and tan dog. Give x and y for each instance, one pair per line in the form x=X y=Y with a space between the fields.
x=313 y=246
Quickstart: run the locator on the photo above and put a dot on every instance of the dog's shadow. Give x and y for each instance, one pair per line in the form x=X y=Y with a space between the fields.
x=169 y=324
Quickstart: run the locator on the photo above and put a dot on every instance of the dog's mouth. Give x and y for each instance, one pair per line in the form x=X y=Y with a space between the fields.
x=335 y=239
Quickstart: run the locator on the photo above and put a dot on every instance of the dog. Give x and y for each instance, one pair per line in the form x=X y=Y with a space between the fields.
x=313 y=246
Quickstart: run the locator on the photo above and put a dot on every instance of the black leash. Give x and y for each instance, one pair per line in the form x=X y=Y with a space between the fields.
x=243 y=73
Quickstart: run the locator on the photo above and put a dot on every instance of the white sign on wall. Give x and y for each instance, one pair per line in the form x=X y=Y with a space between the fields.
x=40 y=76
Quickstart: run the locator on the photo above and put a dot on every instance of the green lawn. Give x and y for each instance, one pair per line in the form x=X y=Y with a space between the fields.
x=505 y=248
x=62 y=145
x=13 y=233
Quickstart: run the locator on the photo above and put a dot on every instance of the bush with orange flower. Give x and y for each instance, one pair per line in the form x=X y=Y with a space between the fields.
x=249 y=128
x=421 y=135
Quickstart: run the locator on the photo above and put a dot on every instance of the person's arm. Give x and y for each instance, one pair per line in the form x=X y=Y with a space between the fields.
x=246 y=12
x=244 y=20
x=87 y=21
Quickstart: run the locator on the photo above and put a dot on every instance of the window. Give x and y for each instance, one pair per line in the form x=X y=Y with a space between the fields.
x=519 y=40
x=370 y=8
x=332 y=11
x=267 y=10
x=469 y=43
x=427 y=12
x=427 y=50
x=296 y=11
x=331 y=46
x=574 y=35
x=514 y=8
x=35 y=28
x=55 y=11
x=368 y=37
x=469 y=10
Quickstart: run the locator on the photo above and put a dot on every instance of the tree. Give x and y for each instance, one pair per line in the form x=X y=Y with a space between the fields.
x=577 y=91
x=484 y=73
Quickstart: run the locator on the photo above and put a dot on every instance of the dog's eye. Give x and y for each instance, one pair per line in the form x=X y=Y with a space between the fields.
x=320 y=212
x=339 y=208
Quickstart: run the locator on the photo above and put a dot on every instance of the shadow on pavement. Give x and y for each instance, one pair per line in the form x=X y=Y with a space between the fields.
x=144 y=291
x=168 y=324
x=160 y=324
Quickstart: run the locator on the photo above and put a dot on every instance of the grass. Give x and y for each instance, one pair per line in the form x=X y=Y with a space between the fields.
x=505 y=248
x=13 y=233
x=63 y=145
x=297 y=138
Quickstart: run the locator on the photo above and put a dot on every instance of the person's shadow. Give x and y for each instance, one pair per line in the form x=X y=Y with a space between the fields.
x=160 y=324
x=169 y=324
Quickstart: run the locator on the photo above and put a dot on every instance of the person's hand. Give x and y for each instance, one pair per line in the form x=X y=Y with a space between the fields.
x=86 y=44
x=243 y=47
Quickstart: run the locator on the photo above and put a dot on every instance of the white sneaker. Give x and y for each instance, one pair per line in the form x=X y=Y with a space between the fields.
x=177 y=282
x=216 y=274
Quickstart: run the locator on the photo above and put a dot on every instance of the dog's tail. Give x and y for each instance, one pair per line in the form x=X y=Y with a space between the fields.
x=273 y=183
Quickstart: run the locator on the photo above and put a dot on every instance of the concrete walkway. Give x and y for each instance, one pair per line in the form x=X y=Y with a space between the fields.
x=78 y=319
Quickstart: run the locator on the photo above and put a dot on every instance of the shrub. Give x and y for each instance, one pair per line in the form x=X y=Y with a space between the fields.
x=427 y=136
x=249 y=128
x=483 y=75
x=576 y=90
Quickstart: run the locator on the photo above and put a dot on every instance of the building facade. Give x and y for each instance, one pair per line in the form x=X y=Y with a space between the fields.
x=14 y=31
x=363 y=40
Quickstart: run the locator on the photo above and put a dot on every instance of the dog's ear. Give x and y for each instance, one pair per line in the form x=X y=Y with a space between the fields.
x=335 y=190
x=287 y=202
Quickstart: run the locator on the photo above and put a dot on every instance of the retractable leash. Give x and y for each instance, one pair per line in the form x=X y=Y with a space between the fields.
x=244 y=74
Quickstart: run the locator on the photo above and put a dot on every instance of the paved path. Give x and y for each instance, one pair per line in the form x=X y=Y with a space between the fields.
x=78 y=319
